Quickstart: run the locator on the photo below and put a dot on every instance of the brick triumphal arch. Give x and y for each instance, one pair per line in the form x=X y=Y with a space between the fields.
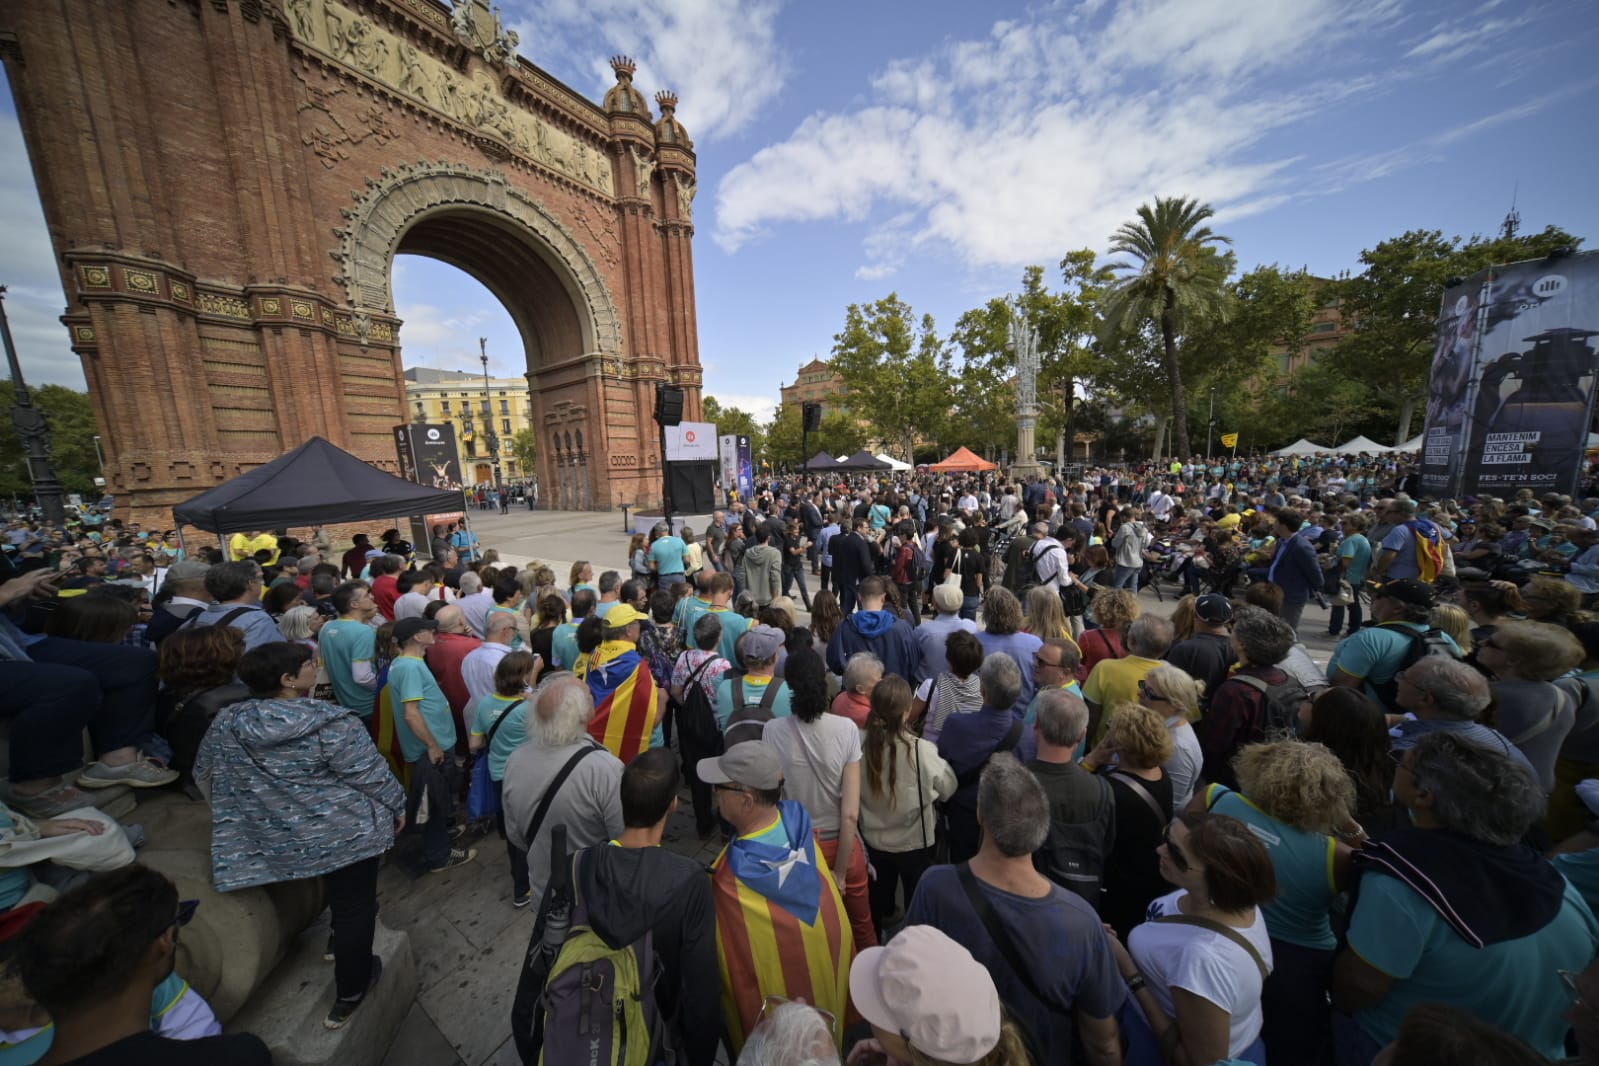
x=227 y=182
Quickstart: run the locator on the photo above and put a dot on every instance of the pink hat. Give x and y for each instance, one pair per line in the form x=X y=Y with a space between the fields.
x=930 y=991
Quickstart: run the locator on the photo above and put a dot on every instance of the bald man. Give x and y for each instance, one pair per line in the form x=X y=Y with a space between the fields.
x=477 y=669
x=452 y=644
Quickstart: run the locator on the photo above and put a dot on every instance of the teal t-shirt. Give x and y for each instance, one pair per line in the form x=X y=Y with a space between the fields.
x=1355 y=550
x=1375 y=652
x=563 y=645
x=511 y=734
x=734 y=625
x=1304 y=864
x=1581 y=868
x=410 y=679
x=344 y=642
x=668 y=555
x=1512 y=985
x=687 y=612
x=754 y=689
x=1032 y=708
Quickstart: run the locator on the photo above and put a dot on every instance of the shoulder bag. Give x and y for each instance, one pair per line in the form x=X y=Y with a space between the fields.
x=481 y=800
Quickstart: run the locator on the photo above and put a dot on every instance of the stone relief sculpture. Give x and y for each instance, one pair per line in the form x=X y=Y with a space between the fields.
x=685 y=197
x=371 y=48
x=643 y=170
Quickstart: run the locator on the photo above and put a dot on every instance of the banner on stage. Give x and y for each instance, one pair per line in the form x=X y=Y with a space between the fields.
x=691 y=442
x=428 y=456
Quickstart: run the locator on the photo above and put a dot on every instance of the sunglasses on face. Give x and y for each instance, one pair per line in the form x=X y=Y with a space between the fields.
x=1173 y=852
x=1147 y=693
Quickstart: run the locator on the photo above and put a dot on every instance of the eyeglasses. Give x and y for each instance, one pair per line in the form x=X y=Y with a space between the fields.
x=1152 y=697
x=727 y=788
x=1173 y=852
x=771 y=1003
x=1037 y=662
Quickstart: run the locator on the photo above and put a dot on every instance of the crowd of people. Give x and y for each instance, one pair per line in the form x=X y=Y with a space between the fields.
x=975 y=802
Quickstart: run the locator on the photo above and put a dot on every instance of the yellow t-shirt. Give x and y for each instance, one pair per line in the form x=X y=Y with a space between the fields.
x=241 y=548
x=1114 y=681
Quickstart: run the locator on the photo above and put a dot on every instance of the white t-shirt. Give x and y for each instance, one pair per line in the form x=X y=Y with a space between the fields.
x=814 y=758
x=1186 y=762
x=814 y=755
x=1204 y=963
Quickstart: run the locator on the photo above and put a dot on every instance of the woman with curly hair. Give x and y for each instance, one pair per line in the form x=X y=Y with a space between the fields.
x=1298 y=801
x=1552 y=599
x=1114 y=610
x=1136 y=747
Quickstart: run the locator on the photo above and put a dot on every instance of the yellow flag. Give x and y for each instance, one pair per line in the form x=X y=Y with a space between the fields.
x=1229 y=440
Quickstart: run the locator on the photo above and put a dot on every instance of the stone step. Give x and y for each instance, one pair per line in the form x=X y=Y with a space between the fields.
x=287 y=1010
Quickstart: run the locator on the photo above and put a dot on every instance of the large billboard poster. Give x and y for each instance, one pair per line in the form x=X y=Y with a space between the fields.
x=690 y=442
x=1511 y=393
x=428 y=456
x=738 y=465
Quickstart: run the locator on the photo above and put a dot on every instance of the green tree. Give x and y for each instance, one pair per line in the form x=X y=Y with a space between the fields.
x=732 y=420
x=840 y=435
x=1173 y=284
x=1069 y=356
x=897 y=373
x=72 y=452
x=525 y=449
x=1391 y=306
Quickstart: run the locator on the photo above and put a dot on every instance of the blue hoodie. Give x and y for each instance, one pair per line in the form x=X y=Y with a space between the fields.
x=882 y=633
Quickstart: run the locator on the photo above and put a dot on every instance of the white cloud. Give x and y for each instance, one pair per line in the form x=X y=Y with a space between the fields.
x=34 y=300
x=762 y=408
x=721 y=57
x=1049 y=131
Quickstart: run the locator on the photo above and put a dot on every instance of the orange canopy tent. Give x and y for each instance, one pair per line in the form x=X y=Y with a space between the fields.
x=963 y=461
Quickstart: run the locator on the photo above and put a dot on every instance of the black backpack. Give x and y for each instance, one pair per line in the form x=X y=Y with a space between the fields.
x=1423 y=644
x=1283 y=701
x=697 y=729
x=748 y=720
x=1073 y=854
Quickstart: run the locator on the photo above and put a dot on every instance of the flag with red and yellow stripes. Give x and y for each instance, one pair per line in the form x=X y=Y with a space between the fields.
x=626 y=699
x=380 y=726
x=781 y=929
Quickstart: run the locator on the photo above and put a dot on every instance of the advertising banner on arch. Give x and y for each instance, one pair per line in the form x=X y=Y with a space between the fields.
x=428 y=456
x=1511 y=393
x=738 y=465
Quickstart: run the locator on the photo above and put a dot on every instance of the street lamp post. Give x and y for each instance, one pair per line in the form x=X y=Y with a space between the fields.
x=1210 y=426
x=491 y=439
x=34 y=430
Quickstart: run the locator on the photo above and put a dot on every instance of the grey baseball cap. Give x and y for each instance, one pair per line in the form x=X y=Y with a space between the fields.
x=752 y=764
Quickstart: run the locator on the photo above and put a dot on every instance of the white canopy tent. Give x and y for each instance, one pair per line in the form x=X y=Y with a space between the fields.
x=1411 y=445
x=893 y=462
x=1361 y=444
x=1302 y=447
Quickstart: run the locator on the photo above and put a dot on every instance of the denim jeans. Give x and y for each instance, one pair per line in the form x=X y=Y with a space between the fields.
x=1125 y=577
x=795 y=575
x=1335 y=622
x=969 y=605
x=127 y=680
x=50 y=706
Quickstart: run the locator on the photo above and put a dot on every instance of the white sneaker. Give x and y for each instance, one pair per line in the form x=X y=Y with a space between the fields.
x=140 y=773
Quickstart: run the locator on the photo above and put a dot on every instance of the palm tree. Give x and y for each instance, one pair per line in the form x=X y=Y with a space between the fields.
x=1176 y=277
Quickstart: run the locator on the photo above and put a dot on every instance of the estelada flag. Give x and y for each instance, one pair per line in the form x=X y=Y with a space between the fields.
x=625 y=700
x=1229 y=440
x=781 y=929
x=380 y=726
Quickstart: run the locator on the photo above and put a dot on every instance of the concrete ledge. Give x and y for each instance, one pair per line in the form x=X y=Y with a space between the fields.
x=287 y=1011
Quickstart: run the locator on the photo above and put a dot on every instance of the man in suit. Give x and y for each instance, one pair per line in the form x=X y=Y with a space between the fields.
x=852 y=561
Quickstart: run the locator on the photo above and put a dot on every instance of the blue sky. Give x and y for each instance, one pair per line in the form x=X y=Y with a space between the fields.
x=936 y=148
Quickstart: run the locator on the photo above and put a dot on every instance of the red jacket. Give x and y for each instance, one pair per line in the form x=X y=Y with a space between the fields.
x=444 y=659
x=386 y=590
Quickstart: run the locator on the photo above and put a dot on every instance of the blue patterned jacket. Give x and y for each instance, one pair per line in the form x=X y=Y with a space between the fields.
x=297 y=790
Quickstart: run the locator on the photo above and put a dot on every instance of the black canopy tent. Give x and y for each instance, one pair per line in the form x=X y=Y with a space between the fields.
x=861 y=460
x=822 y=461
x=315 y=484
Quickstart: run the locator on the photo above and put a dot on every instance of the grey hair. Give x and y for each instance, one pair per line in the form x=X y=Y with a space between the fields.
x=1458 y=688
x=1000 y=680
x=1264 y=638
x=471 y=584
x=306 y=562
x=707 y=631
x=296 y=622
x=1012 y=806
x=859 y=667
x=1477 y=791
x=562 y=709
x=792 y=1035
x=1150 y=636
x=497 y=621
x=1062 y=717
x=1405 y=504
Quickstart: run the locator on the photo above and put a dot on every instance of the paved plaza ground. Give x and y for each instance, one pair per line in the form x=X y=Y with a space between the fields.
x=467 y=939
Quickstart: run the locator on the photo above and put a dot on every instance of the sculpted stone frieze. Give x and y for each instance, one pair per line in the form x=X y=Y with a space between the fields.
x=356 y=41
